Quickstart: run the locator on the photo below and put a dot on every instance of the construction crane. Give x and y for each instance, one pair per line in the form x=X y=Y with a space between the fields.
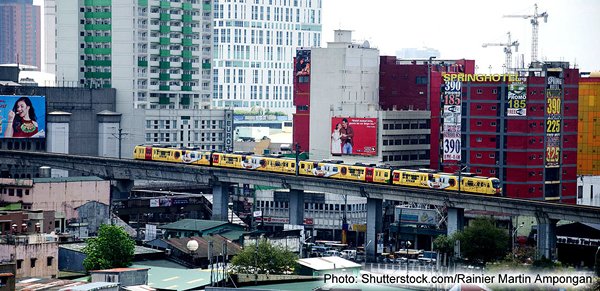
x=534 y=24
x=507 y=50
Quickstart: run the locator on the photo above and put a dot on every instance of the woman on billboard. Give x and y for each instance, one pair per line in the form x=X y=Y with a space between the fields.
x=22 y=121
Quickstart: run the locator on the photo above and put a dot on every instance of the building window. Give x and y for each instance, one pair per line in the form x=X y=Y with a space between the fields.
x=479 y=139
x=492 y=172
x=421 y=80
x=49 y=261
x=479 y=123
x=479 y=91
x=479 y=155
x=580 y=192
x=493 y=123
x=591 y=192
x=19 y=264
x=478 y=171
x=492 y=156
x=494 y=91
x=33 y=262
x=478 y=107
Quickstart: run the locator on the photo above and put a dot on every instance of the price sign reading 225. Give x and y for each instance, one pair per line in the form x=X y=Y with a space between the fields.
x=553 y=126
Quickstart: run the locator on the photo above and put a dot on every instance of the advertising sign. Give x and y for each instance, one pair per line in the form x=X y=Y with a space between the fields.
x=416 y=216
x=451 y=120
x=554 y=92
x=452 y=114
x=22 y=116
x=302 y=62
x=154 y=202
x=516 y=100
x=353 y=136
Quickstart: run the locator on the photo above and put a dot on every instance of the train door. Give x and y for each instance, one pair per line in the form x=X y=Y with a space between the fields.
x=148 y=153
x=369 y=174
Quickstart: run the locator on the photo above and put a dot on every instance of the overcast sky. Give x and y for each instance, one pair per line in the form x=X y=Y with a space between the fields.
x=458 y=28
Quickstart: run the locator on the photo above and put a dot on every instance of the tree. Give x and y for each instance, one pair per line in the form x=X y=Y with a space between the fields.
x=444 y=245
x=269 y=259
x=482 y=241
x=112 y=248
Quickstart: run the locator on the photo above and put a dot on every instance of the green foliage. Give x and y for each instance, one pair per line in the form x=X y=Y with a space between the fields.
x=545 y=263
x=112 y=248
x=444 y=245
x=269 y=259
x=482 y=241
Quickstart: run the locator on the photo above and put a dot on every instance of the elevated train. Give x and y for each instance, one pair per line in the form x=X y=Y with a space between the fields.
x=422 y=178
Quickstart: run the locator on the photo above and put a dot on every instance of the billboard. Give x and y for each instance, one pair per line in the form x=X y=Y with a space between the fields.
x=22 y=116
x=302 y=66
x=554 y=114
x=353 y=136
x=451 y=120
x=416 y=215
x=517 y=100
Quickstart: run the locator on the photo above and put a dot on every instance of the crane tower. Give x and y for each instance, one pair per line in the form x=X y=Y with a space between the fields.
x=507 y=50
x=534 y=25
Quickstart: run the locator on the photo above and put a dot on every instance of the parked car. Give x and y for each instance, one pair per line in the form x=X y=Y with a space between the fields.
x=348 y=254
x=332 y=253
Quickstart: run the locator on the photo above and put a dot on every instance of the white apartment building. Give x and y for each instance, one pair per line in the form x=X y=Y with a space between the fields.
x=586 y=195
x=255 y=42
x=156 y=53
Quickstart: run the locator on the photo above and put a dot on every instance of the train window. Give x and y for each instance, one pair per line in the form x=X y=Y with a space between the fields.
x=277 y=164
x=452 y=182
x=469 y=183
x=293 y=165
x=385 y=174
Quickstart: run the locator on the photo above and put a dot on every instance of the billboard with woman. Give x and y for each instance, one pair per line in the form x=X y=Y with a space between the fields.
x=22 y=116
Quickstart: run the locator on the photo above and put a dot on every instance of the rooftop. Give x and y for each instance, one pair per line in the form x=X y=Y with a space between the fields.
x=327 y=263
x=139 y=250
x=193 y=224
x=91 y=286
x=118 y=270
x=176 y=279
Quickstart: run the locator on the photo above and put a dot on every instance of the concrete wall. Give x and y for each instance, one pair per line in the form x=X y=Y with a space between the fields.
x=588 y=190
x=344 y=83
x=63 y=197
x=128 y=278
x=26 y=252
x=71 y=261
x=94 y=214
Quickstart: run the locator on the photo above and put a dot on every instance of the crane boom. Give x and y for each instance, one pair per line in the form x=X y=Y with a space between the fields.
x=534 y=29
x=507 y=50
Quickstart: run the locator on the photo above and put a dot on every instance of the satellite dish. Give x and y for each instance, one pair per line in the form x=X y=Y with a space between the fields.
x=366 y=44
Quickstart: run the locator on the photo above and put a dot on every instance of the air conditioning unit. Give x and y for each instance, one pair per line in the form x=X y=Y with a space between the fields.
x=168 y=252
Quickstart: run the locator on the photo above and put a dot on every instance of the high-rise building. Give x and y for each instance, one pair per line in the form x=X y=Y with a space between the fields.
x=588 y=141
x=255 y=43
x=338 y=104
x=20 y=33
x=157 y=54
x=523 y=131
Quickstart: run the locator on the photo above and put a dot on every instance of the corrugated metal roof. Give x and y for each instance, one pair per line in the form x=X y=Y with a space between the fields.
x=91 y=286
x=193 y=224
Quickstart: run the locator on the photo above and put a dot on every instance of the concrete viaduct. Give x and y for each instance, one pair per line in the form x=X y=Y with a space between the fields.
x=125 y=171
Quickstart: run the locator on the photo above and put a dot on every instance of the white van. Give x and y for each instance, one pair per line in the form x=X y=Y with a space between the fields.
x=348 y=254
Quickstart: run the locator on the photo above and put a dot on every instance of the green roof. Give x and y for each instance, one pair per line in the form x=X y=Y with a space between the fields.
x=233 y=234
x=12 y=206
x=66 y=179
x=177 y=279
x=193 y=224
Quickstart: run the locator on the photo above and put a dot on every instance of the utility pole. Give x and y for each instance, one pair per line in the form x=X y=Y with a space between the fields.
x=119 y=136
x=297 y=149
x=345 y=221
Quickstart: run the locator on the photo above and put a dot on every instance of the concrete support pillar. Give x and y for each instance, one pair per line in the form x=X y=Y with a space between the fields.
x=109 y=138
x=120 y=189
x=546 y=236
x=456 y=220
x=220 y=201
x=296 y=207
x=374 y=223
x=57 y=140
